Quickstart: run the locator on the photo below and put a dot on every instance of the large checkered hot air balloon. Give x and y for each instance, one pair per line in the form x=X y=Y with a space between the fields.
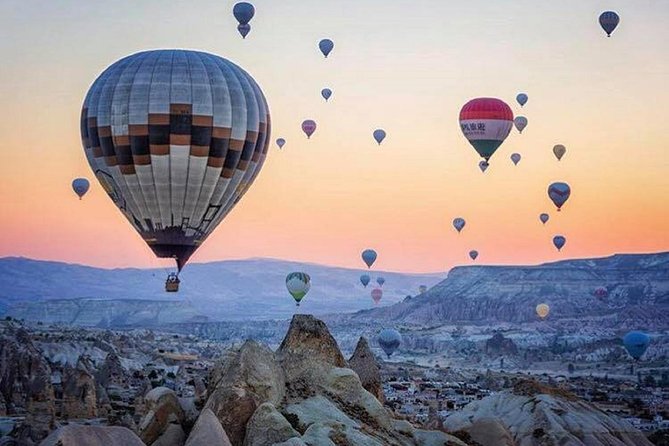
x=175 y=138
x=486 y=122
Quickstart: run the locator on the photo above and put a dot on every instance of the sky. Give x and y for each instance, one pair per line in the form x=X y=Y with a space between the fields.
x=407 y=66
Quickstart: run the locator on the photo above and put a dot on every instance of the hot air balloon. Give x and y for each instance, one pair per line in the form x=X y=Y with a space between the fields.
x=559 y=194
x=486 y=122
x=459 y=223
x=326 y=93
x=559 y=241
x=175 y=138
x=369 y=257
x=543 y=310
x=520 y=122
x=379 y=135
x=380 y=281
x=600 y=292
x=544 y=218
x=609 y=20
x=521 y=98
x=389 y=340
x=298 y=285
x=473 y=254
x=422 y=289
x=364 y=279
x=483 y=165
x=559 y=150
x=636 y=343
x=515 y=157
x=243 y=12
x=326 y=46
x=280 y=142
x=308 y=127
x=80 y=186
x=377 y=294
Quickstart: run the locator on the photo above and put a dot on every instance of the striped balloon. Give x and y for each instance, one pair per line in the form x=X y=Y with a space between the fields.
x=486 y=122
x=175 y=138
x=298 y=285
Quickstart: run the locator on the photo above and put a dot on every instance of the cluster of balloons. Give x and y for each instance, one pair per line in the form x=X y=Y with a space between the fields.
x=243 y=12
x=369 y=257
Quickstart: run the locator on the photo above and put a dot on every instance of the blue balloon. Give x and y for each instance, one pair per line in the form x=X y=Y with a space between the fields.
x=243 y=12
x=521 y=98
x=515 y=157
x=379 y=135
x=326 y=93
x=609 y=20
x=80 y=186
x=473 y=254
x=544 y=218
x=389 y=340
x=559 y=193
x=380 y=281
x=244 y=29
x=326 y=46
x=559 y=241
x=459 y=223
x=369 y=257
x=364 y=279
x=636 y=343
x=280 y=142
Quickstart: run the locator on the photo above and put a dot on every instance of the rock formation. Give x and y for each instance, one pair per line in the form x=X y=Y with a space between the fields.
x=74 y=435
x=79 y=394
x=163 y=410
x=208 y=431
x=499 y=345
x=363 y=362
x=112 y=372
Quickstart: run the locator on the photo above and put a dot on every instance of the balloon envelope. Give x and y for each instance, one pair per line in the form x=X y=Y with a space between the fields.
x=483 y=165
x=636 y=343
x=326 y=46
x=243 y=12
x=521 y=98
x=515 y=157
x=298 y=285
x=486 y=122
x=520 y=123
x=544 y=218
x=326 y=93
x=459 y=223
x=609 y=20
x=175 y=138
x=389 y=340
x=308 y=127
x=543 y=310
x=559 y=193
x=379 y=135
x=377 y=294
x=80 y=186
x=380 y=281
x=559 y=241
x=280 y=142
x=364 y=279
x=559 y=150
x=473 y=254
x=369 y=257
x=244 y=29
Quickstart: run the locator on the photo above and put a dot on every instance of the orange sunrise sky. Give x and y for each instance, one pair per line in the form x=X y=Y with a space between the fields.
x=406 y=66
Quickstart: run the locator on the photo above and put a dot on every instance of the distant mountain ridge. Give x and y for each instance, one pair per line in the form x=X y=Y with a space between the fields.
x=226 y=290
x=637 y=285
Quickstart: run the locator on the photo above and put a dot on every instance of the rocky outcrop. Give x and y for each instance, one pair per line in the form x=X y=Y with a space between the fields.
x=208 y=431
x=79 y=394
x=498 y=345
x=363 y=362
x=535 y=414
x=173 y=436
x=75 y=435
x=112 y=372
x=163 y=409
x=267 y=427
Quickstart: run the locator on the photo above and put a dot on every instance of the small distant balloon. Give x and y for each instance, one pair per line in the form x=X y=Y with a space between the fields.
x=543 y=310
x=298 y=285
x=326 y=93
x=459 y=223
x=486 y=122
x=636 y=343
x=364 y=280
x=601 y=292
x=559 y=241
x=244 y=29
x=515 y=157
x=280 y=142
x=379 y=135
x=326 y=46
x=559 y=193
x=521 y=98
x=80 y=186
x=520 y=122
x=243 y=12
x=422 y=289
x=559 y=150
x=389 y=340
x=483 y=165
x=544 y=218
x=473 y=254
x=309 y=127
x=369 y=257
x=377 y=294
x=609 y=20
x=380 y=281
